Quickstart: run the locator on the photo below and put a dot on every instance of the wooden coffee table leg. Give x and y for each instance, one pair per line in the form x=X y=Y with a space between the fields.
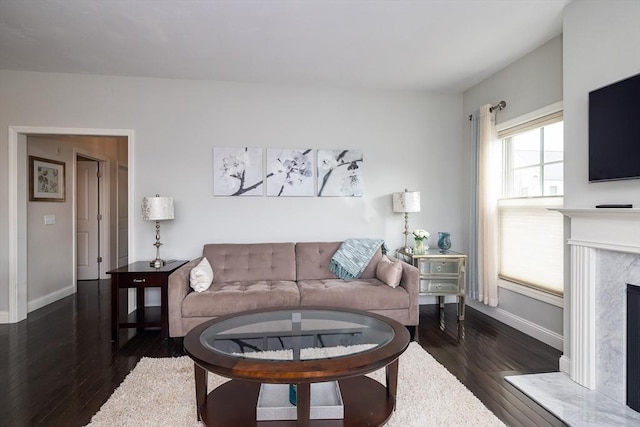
x=303 y=403
x=392 y=381
x=201 y=387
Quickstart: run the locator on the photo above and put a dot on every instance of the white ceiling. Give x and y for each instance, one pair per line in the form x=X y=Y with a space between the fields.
x=438 y=45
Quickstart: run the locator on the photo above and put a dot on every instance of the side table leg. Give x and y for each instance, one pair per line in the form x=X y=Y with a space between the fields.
x=461 y=307
x=441 y=311
x=201 y=387
x=392 y=381
x=114 y=308
x=303 y=400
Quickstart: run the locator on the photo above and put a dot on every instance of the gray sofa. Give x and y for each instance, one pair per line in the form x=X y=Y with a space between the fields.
x=252 y=276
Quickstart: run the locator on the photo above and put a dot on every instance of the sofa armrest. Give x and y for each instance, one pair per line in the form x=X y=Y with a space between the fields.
x=178 y=288
x=411 y=282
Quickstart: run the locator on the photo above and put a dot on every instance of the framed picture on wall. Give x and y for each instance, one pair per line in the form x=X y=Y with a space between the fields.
x=46 y=180
x=237 y=171
x=340 y=173
x=290 y=172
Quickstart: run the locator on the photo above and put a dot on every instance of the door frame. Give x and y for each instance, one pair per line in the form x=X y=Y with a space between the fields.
x=104 y=195
x=17 y=162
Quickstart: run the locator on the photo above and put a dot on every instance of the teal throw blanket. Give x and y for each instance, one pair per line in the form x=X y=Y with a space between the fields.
x=353 y=256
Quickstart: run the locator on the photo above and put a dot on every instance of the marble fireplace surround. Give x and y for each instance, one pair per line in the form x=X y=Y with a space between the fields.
x=605 y=256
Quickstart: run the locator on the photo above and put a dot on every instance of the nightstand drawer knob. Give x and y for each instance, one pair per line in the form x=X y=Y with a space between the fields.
x=138 y=280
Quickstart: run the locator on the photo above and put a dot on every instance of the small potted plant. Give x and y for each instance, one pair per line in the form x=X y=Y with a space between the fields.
x=420 y=237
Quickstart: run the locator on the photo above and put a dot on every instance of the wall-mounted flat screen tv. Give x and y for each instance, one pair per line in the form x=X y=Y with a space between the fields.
x=614 y=131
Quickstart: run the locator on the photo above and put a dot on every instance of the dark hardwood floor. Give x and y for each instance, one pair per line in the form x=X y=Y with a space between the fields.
x=59 y=366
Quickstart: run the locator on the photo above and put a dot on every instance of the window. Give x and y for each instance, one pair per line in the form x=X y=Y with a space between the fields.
x=531 y=242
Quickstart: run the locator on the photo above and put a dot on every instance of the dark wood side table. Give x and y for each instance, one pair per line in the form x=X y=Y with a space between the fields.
x=140 y=275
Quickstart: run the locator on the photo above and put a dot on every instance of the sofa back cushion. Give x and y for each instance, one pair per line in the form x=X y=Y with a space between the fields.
x=313 y=259
x=251 y=261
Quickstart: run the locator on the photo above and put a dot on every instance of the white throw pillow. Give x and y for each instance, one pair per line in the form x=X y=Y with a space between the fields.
x=390 y=272
x=201 y=276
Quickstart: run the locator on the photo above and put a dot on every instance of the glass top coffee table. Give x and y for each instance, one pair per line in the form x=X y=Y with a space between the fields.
x=296 y=346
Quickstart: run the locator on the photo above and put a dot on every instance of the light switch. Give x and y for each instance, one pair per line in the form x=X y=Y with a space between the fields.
x=49 y=219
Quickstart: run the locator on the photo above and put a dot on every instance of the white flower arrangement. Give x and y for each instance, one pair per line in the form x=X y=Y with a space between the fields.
x=420 y=234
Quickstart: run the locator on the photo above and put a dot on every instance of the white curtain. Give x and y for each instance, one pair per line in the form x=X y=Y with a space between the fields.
x=486 y=187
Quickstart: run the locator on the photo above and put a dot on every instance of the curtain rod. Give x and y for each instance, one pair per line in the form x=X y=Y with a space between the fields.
x=499 y=106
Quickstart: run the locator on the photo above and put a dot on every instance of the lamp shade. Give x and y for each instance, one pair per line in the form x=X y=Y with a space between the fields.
x=406 y=201
x=157 y=208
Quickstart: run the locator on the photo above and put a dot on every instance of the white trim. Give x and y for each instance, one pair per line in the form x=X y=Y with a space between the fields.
x=4 y=317
x=17 y=227
x=52 y=297
x=547 y=336
x=632 y=249
x=583 y=316
x=532 y=293
x=564 y=364
x=541 y=112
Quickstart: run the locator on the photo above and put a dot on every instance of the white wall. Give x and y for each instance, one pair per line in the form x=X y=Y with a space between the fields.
x=411 y=140
x=602 y=46
x=532 y=82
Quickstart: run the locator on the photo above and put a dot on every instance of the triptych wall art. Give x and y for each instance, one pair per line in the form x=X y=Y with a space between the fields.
x=280 y=172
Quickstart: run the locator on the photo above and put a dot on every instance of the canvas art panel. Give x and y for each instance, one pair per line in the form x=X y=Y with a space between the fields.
x=46 y=180
x=290 y=172
x=340 y=173
x=237 y=171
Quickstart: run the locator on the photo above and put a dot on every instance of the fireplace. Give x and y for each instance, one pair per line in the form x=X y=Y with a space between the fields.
x=633 y=346
x=605 y=257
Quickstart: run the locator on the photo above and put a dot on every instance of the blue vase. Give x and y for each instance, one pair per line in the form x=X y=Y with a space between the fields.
x=293 y=394
x=444 y=241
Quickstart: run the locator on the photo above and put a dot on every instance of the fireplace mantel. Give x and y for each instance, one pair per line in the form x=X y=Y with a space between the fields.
x=594 y=230
x=613 y=229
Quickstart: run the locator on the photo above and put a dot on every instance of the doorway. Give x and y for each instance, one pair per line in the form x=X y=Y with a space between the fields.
x=20 y=263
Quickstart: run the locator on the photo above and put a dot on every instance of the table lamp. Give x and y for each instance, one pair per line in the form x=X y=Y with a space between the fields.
x=157 y=209
x=406 y=202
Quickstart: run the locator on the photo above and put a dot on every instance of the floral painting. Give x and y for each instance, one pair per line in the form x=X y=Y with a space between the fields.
x=340 y=173
x=237 y=171
x=290 y=172
x=46 y=180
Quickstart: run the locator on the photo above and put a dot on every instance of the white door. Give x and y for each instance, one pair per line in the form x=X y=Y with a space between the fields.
x=87 y=227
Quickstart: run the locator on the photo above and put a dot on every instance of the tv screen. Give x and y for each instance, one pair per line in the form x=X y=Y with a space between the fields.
x=614 y=131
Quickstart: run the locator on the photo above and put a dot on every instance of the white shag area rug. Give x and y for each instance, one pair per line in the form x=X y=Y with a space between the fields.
x=161 y=392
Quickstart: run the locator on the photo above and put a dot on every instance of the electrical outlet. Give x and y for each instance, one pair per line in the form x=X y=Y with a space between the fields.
x=49 y=219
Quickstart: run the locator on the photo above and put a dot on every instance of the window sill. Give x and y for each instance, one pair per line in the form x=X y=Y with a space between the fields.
x=532 y=293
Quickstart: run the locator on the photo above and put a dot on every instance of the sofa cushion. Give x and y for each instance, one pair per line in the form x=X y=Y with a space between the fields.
x=388 y=271
x=363 y=294
x=233 y=297
x=201 y=276
x=251 y=262
x=313 y=260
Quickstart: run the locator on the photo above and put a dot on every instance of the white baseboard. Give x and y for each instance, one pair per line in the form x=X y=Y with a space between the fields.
x=4 y=317
x=564 y=365
x=52 y=297
x=523 y=325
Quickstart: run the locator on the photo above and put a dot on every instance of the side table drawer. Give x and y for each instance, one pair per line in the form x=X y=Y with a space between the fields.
x=139 y=280
x=439 y=267
x=439 y=286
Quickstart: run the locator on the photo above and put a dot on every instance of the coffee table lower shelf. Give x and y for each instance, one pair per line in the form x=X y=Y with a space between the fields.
x=234 y=404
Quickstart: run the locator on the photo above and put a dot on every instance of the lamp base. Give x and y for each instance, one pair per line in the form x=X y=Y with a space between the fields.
x=157 y=263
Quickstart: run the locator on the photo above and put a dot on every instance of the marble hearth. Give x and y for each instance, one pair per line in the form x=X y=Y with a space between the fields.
x=605 y=257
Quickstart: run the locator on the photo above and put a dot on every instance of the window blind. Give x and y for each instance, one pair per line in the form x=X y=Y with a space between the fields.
x=531 y=244
x=533 y=124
